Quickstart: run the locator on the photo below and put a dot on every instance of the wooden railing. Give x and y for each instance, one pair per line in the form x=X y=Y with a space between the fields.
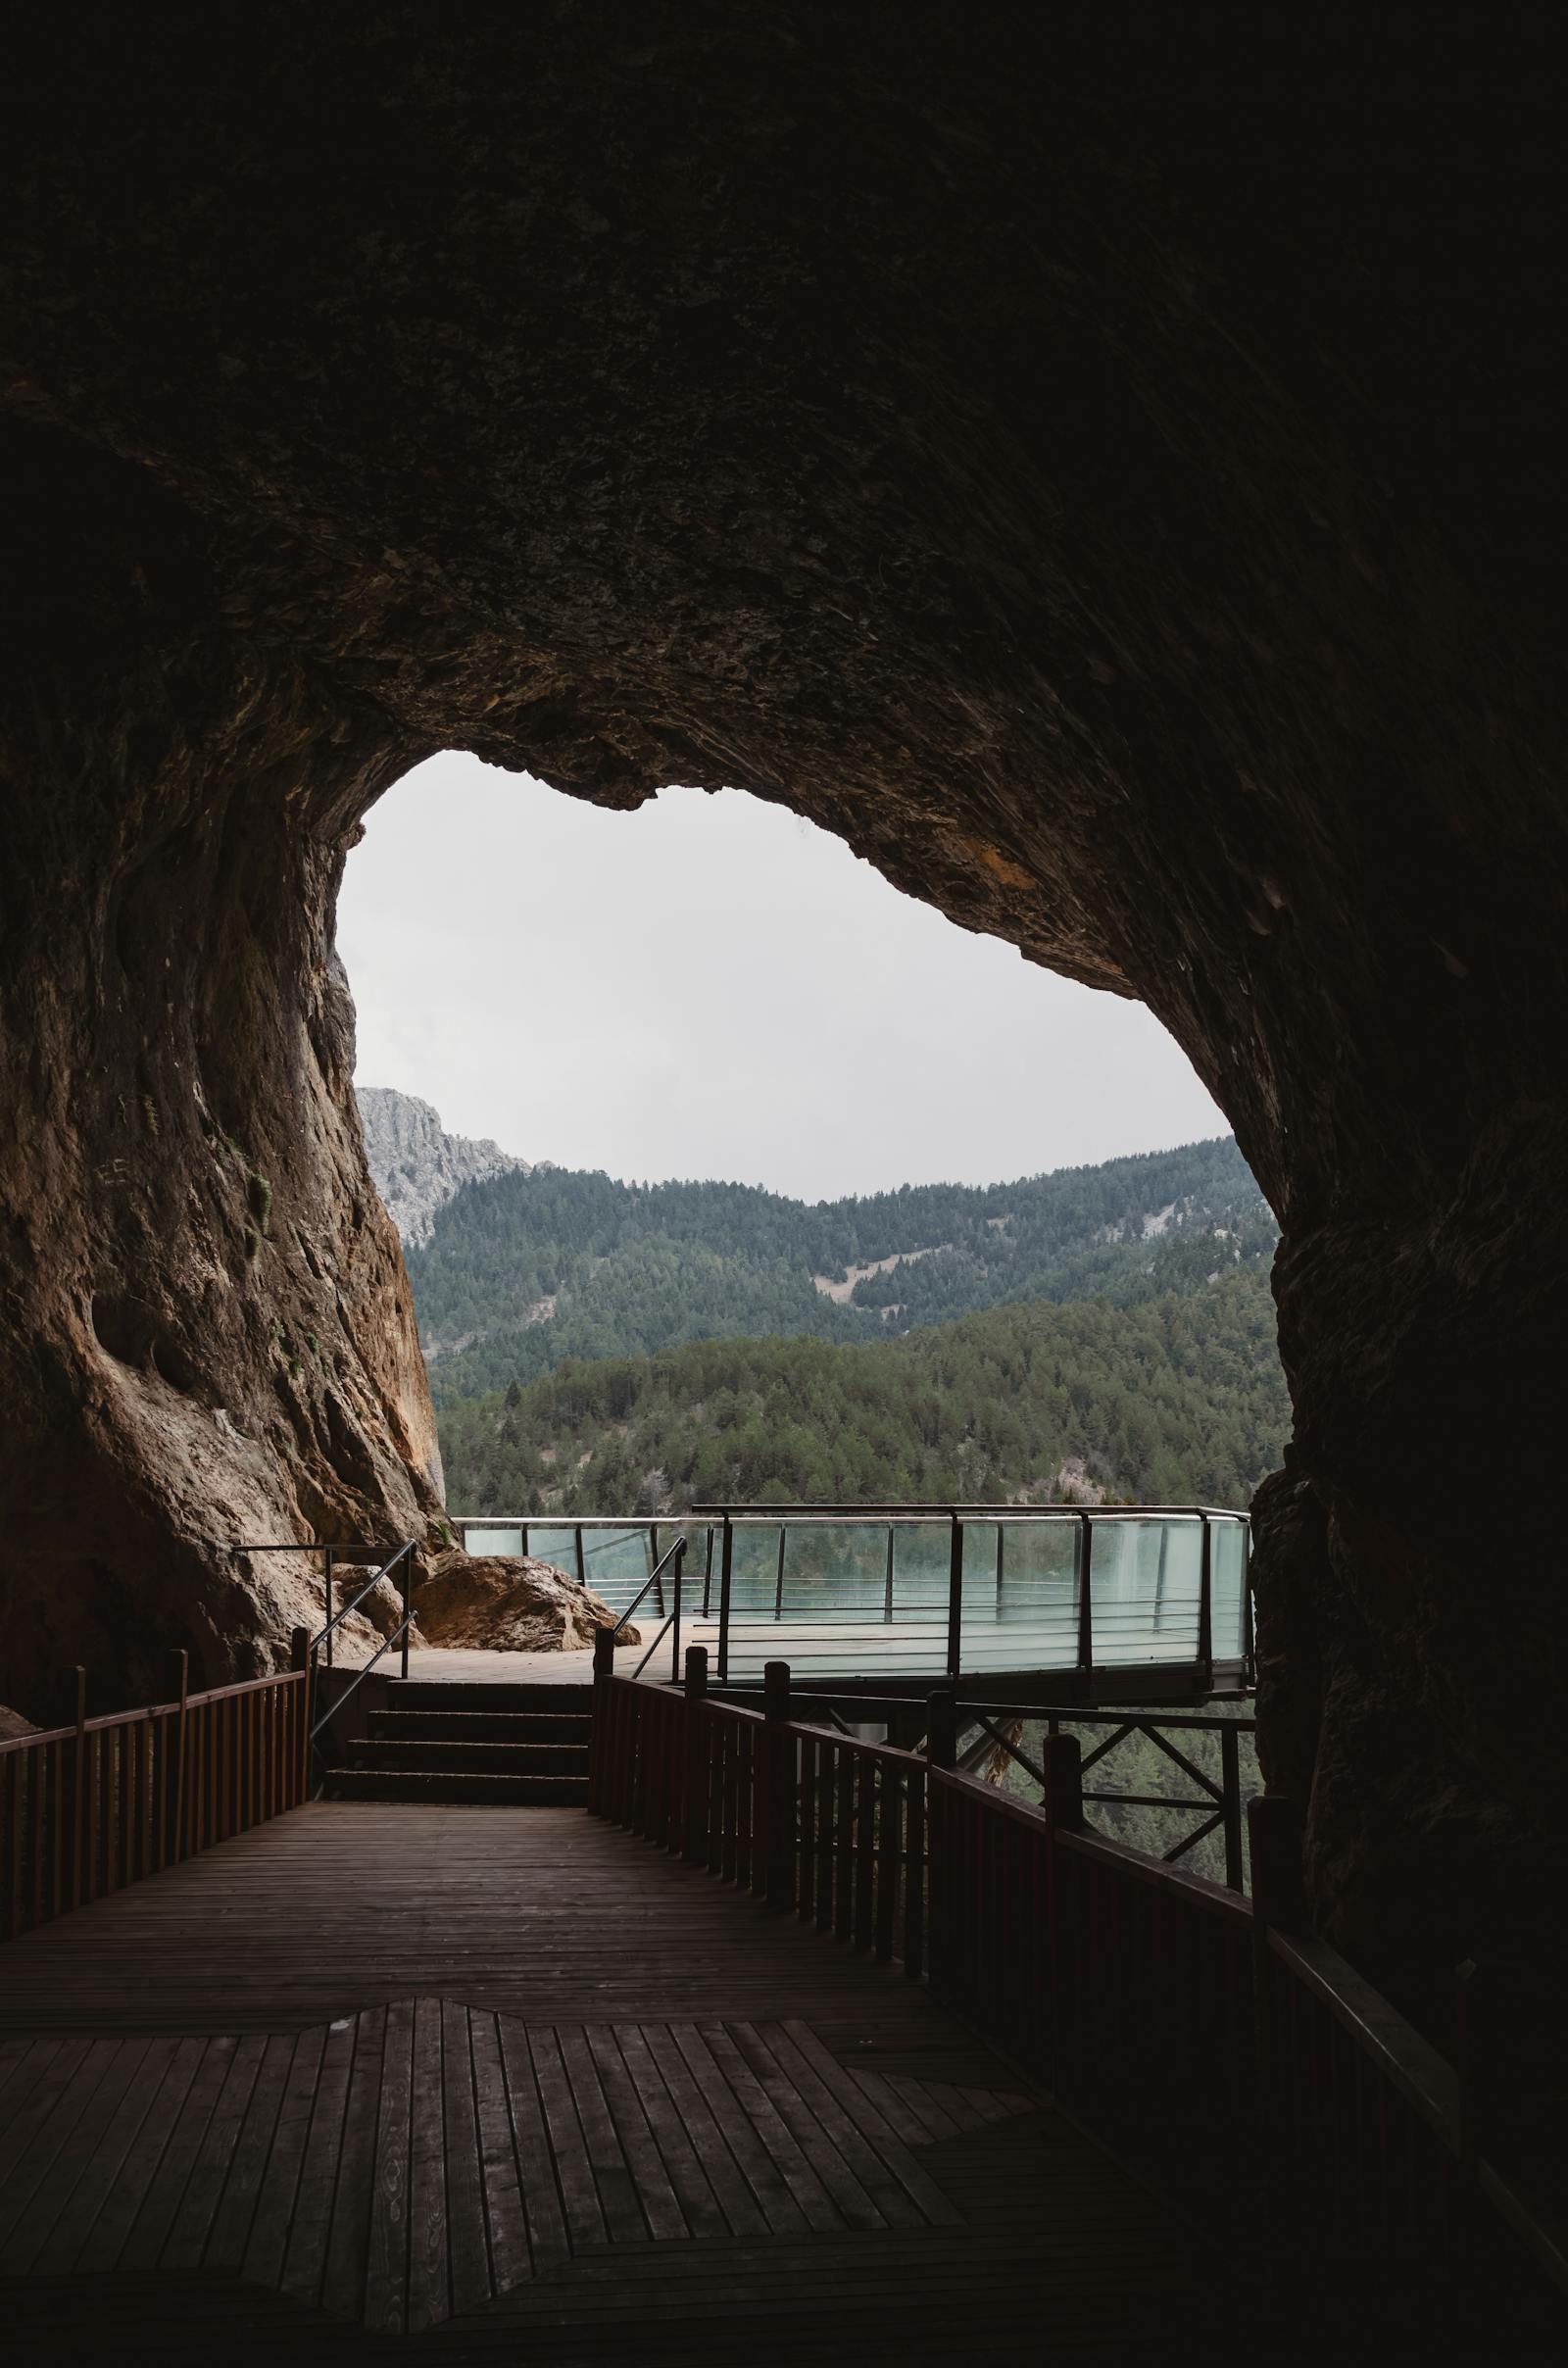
x=96 y=1804
x=1200 y=2029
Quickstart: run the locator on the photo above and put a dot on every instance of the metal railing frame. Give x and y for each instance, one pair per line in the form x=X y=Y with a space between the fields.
x=400 y=1558
x=726 y=1518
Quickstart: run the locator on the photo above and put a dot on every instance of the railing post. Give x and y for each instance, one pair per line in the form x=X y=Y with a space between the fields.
x=326 y=1597
x=299 y=1659
x=1205 y=1608
x=941 y=1728
x=781 y=1756
x=708 y=1572
x=1274 y=1830
x=599 y=1730
x=887 y=1584
x=75 y=1715
x=1230 y=1784
x=726 y=1570
x=179 y=1683
x=582 y=1559
x=694 y=1823
x=408 y=1605
x=1086 y=1598
x=942 y=1751
x=955 y=1599
x=1065 y=1783
x=1064 y=1804
x=1249 y=1641
x=1002 y=1536
x=778 y=1587
x=678 y=1568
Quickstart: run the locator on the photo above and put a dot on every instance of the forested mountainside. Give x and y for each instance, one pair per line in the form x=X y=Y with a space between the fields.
x=1177 y=1400
x=526 y=1270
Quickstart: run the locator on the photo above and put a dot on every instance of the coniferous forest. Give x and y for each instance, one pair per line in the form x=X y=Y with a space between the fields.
x=1108 y=1331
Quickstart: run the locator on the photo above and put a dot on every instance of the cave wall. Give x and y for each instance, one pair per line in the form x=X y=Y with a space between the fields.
x=1103 y=468
x=209 y=1334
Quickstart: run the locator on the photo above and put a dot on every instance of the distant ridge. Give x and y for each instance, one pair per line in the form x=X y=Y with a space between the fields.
x=416 y=1164
x=524 y=1269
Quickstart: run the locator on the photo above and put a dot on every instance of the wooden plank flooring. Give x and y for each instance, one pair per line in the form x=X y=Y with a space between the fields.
x=508 y=2084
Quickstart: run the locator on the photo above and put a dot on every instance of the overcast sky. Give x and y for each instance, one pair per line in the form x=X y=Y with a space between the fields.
x=711 y=987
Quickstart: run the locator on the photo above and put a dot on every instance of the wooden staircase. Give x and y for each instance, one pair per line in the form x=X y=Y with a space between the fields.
x=522 y=1744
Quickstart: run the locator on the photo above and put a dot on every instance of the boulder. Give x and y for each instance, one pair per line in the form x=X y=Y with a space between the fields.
x=509 y=1603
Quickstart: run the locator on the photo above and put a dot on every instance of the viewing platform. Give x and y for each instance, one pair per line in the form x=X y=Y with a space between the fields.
x=1122 y=1603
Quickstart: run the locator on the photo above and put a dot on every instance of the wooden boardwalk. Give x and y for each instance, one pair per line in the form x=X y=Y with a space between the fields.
x=504 y=2083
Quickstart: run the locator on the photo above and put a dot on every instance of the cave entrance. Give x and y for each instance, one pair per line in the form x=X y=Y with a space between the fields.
x=712 y=988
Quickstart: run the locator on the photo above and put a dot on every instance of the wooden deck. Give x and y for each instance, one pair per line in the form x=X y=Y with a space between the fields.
x=499 y=2084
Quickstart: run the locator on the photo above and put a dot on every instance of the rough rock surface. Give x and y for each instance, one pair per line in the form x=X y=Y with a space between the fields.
x=1113 y=477
x=416 y=1166
x=509 y=1603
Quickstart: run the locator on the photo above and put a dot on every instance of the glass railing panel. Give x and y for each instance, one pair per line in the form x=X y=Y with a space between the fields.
x=1228 y=1589
x=1020 y=1594
x=922 y=1563
x=617 y=1562
x=493 y=1538
x=1146 y=1588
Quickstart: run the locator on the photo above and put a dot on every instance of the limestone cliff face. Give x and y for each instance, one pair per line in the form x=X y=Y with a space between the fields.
x=416 y=1164
x=210 y=1340
x=1114 y=485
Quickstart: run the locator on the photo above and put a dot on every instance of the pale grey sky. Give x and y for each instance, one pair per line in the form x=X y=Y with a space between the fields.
x=711 y=987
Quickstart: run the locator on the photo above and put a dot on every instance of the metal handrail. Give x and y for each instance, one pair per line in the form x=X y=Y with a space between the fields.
x=654 y=1576
x=324 y=1636
x=676 y=1557
x=338 y=1618
x=398 y=1636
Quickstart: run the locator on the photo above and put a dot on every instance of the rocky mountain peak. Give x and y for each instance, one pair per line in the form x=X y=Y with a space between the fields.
x=417 y=1165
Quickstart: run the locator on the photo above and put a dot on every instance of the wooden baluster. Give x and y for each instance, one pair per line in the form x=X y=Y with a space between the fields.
x=97 y=1813
x=844 y=1868
x=805 y=1901
x=778 y=1788
x=748 y=1856
x=716 y=1792
x=890 y=1822
x=598 y=1738
x=864 y=1849
x=297 y=1777
x=174 y=1743
x=694 y=1821
x=941 y=1907
x=915 y=1877
x=14 y=1767
x=74 y=1772
x=826 y=1767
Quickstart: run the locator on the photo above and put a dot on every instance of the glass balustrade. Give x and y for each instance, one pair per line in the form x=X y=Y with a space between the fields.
x=879 y=1596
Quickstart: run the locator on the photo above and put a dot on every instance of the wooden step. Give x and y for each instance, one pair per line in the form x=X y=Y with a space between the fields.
x=466 y=1758
x=479 y=1726
x=422 y=1694
x=435 y=1785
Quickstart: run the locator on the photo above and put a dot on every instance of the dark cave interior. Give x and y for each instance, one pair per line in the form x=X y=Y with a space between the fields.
x=1109 y=476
